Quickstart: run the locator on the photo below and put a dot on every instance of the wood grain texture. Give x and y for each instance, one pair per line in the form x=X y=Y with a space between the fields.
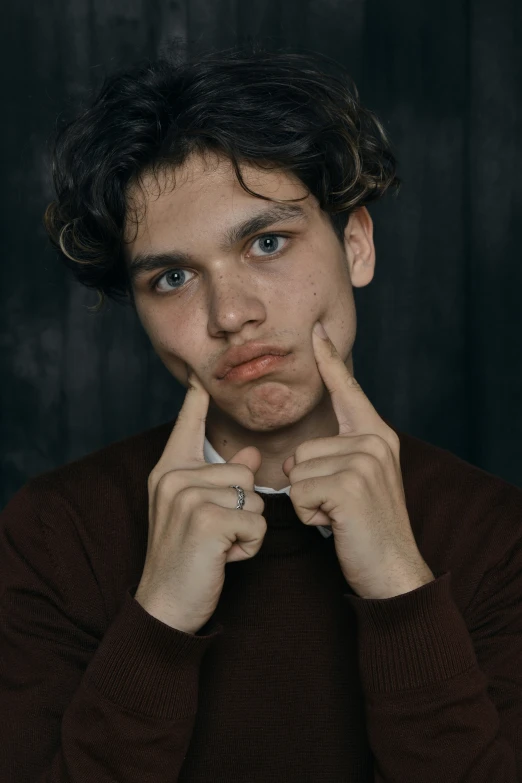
x=439 y=337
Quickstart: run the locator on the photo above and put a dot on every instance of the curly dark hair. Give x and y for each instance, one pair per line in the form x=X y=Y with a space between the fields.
x=284 y=109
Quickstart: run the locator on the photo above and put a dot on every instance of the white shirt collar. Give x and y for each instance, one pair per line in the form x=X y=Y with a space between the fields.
x=212 y=456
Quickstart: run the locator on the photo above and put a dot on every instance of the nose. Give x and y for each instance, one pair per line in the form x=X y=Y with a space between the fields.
x=234 y=302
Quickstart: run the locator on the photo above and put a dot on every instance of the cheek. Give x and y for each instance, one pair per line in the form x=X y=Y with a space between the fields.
x=329 y=295
x=306 y=295
x=180 y=353
x=166 y=338
x=178 y=362
x=172 y=338
x=149 y=318
x=340 y=319
x=342 y=328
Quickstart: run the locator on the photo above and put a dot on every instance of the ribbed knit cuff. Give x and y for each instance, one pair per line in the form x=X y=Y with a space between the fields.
x=413 y=639
x=146 y=666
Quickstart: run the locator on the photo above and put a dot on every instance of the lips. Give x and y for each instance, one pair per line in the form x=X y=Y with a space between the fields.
x=245 y=353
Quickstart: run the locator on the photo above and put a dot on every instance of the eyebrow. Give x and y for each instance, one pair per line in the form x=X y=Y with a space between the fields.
x=147 y=262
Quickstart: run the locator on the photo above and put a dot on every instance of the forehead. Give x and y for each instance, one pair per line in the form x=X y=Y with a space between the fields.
x=203 y=194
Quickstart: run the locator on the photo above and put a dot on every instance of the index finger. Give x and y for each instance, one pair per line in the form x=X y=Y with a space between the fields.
x=185 y=444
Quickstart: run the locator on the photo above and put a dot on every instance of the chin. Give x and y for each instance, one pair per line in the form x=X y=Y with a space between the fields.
x=277 y=407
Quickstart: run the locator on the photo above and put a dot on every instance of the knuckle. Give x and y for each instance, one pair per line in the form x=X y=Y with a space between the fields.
x=246 y=476
x=383 y=449
x=366 y=464
x=394 y=439
x=299 y=453
x=371 y=441
x=354 y=482
x=166 y=483
x=259 y=503
x=377 y=446
x=186 y=499
x=152 y=480
x=295 y=491
x=203 y=512
x=308 y=485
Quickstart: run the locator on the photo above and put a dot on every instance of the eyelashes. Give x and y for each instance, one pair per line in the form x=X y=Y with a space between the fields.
x=154 y=283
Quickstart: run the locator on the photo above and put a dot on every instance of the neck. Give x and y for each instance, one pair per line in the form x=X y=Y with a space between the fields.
x=228 y=436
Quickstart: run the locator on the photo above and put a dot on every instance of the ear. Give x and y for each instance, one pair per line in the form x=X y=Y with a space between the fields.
x=359 y=247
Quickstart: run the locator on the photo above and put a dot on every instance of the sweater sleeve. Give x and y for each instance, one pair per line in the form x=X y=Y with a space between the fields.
x=443 y=695
x=78 y=706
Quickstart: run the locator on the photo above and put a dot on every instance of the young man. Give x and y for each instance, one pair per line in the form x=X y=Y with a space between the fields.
x=277 y=584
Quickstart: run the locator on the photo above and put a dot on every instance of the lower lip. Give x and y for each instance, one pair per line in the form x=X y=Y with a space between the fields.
x=254 y=369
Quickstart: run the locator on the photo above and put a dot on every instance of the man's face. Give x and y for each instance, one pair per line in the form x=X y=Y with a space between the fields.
x=269 y=286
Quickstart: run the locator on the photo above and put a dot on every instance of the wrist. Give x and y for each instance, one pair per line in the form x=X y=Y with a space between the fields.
x=160 y=610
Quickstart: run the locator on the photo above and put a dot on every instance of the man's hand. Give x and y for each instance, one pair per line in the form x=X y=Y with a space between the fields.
x=194 y=526
x=353 y=482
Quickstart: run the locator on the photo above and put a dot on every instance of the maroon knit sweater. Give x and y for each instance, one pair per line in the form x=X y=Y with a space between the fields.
x=295 y=678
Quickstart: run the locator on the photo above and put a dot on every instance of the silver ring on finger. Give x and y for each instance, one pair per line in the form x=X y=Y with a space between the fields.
x=240 y=496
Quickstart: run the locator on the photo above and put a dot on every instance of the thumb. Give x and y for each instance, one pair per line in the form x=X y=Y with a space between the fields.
x=249 y=456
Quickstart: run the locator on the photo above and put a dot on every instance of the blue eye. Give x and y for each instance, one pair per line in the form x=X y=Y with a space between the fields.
x=180 y=272
x=271 y=238
x=172 y=273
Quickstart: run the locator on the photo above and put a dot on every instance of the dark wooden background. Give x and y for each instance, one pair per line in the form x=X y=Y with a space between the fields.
x=439 y=341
